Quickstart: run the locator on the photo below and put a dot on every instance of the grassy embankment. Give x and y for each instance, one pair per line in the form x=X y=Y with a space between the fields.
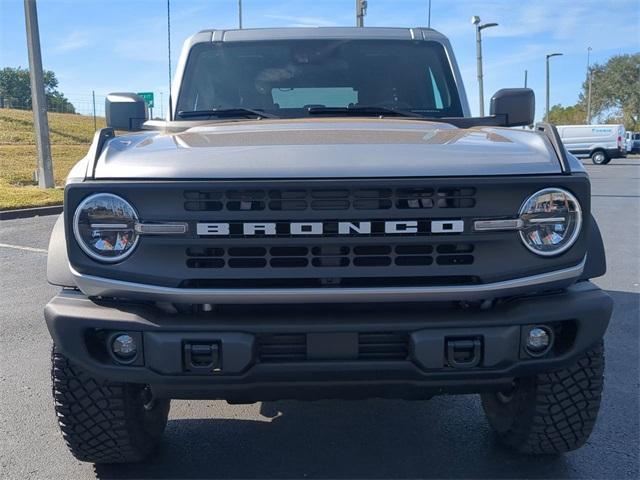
x=70 y=135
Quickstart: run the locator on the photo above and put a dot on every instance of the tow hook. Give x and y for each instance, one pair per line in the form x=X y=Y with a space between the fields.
x=201 y=357
x=463 y=353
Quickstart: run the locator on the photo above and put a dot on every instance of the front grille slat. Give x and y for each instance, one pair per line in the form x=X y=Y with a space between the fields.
x=288 y=348
x=368 y=199
x=290 y=262
x=318 y=256
x=282 y=347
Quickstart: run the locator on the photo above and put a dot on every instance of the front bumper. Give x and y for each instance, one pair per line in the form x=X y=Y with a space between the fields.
x=267 y=352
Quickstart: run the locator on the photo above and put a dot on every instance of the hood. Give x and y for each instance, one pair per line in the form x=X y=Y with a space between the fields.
x=326 y=148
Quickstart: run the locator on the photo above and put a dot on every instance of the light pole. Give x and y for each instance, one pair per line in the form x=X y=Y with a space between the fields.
x=589 y=76
x=38 y=98
x=546 y=112
x=475 y=20
x=526 y=78
x=240 y=14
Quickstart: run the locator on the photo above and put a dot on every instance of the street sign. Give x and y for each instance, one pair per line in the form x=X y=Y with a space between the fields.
x=147 y=97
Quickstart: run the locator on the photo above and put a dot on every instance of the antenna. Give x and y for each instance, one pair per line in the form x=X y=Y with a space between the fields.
x=169 y=50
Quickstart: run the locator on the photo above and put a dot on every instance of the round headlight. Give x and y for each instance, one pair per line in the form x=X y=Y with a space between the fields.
x=104 y=227
x=551 y=221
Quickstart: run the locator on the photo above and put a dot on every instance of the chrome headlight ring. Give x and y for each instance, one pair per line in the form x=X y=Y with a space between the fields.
x=104 y=227
x=551 y=221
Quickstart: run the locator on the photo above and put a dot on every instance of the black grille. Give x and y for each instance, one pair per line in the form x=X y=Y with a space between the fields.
x=418 y=198
x=292 y=347
x=318 y=256
x=355 y=240
x=282 y=347
x=383 y=346
x=365 y=255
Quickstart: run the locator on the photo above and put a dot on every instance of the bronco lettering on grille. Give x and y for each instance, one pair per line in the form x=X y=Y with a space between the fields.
x=395 y=227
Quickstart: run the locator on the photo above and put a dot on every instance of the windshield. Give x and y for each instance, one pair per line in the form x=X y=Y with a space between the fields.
x=301 y=77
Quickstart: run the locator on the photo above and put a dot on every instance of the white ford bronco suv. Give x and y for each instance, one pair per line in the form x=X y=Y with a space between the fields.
x=321 y=217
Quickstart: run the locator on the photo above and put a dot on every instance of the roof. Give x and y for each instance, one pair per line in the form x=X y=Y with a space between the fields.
x=298 y=33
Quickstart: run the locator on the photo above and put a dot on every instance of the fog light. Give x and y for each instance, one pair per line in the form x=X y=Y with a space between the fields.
x=124 y=347
x=538 y=340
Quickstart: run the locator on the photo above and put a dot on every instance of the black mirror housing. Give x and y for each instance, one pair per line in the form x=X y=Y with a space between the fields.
x=125 y=111
x=516 y=105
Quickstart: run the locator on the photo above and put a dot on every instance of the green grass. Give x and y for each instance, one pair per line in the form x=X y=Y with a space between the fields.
x=70 y=137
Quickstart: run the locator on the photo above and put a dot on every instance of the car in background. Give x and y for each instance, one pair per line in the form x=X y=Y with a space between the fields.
x=601 y=143
x=632 y=142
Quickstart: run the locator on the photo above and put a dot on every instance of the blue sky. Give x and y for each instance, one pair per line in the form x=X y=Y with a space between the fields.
x=121 y=45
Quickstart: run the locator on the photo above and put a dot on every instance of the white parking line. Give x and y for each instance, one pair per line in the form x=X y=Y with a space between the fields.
x=19 y=247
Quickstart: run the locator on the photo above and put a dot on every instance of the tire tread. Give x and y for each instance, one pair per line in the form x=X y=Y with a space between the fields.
x=561 y=409
x=102 y=421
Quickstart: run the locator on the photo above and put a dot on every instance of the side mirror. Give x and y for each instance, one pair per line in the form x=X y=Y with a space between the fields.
x=516 y=105
x=125 y=111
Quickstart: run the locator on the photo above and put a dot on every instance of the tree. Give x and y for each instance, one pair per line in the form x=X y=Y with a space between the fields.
x=572 y=115
x=615 y=90
x=15 y=90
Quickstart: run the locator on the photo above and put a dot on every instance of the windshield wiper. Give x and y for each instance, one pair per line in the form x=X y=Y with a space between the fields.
x=362 y=111
x=460 y=122
x=226 y=113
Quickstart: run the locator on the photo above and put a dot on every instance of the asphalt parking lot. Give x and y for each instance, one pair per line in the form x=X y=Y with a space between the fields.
x=443 y=437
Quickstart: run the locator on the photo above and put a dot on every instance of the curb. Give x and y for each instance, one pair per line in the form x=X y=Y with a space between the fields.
x=30 y=212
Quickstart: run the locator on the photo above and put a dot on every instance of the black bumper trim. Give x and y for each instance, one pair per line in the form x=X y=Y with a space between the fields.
x=243 y=377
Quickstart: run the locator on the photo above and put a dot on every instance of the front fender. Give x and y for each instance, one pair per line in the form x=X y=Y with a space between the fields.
x=596 y=264
x=58 y=272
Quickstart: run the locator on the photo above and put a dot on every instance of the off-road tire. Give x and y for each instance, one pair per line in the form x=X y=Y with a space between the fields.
x=553 y=412
x=600 y=157
x=102 y=421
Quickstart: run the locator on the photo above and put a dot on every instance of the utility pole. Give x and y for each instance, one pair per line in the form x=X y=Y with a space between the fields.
x=169 y=55
x=475 y=20
x=429 y=19
x=546 y=111
x=589 y=77
x=361 y=11
x=38 y=98
x=240 y=14
x=95 y=123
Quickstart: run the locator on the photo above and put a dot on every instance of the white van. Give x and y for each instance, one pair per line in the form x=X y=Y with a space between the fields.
x=600 y=142
x=633 y=142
